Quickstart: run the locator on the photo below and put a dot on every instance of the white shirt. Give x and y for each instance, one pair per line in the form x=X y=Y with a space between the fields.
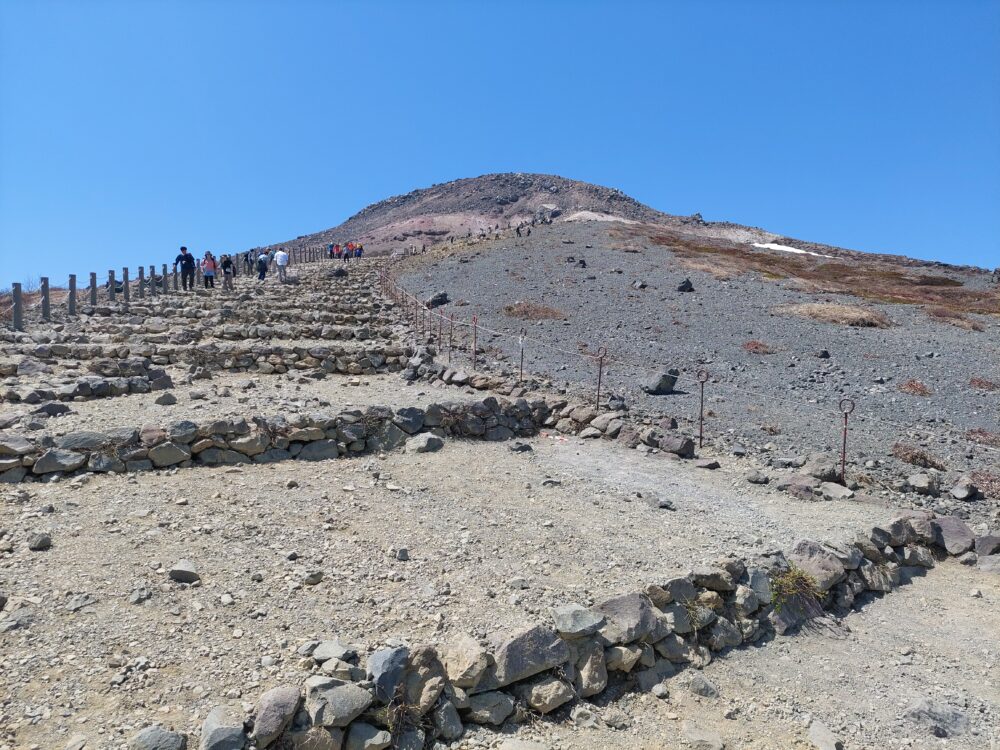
x=281 y=258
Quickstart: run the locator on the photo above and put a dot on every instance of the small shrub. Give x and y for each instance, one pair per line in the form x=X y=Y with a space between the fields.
x=914 y=388
x=954 y=317
x=795 y=585
x=533 y=311
x=915 y=456
x=757 y=347
x=848 y=315
x=771 y=429
x=984 y=385
x=983 y=437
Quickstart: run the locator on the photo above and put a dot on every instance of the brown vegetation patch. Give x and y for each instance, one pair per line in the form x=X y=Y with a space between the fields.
x=984 y=385
x=987 y=482
x=953 y=317
x=533 y=311
x=914 y=388
x=757 y=347
x=984 y=437
x=916 y=456
x=848 y=315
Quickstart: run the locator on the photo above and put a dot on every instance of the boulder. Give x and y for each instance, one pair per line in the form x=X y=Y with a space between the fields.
x=363 y=736
x=819 y=562
x=629 y=618
x=334 y=703
x=385 y=670
x=575 y=621
x=56 y=459
x=425 y=442
x=465 y=661
x=661 y=383
x=940 y=719
x=953 y=534
x=168 y=453
x=275 y=710
x=222 y=730
x=157 y=738
x=545 y=694
x=183 y=572
x=489 y=708
x=529 y=652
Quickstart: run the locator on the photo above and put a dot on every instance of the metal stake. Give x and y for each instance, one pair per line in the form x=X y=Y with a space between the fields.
x=602 y=352
x=702 y=379
x=846 y=407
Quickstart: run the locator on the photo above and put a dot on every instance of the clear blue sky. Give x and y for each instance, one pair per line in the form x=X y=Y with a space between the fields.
x=129 y=128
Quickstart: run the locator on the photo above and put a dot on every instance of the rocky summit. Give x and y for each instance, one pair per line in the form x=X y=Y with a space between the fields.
x=545 y=469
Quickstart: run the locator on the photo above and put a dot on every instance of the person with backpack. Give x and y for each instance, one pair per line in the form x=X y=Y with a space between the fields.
x=359 y=248
x=186 y=261
x=262 y=264
x=226 y=264
x=208 y=269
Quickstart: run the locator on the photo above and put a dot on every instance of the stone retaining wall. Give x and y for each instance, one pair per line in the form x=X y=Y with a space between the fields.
x=311 y=437
x=403 y=696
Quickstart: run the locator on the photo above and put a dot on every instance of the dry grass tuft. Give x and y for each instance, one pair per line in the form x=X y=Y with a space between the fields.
x=983 y=437
x=533 y=311
x=987 y=482
x=953 y=317
x=914 y=388
x=984 y=385
x=757 y=347
x=848 y=315
x=916 y=456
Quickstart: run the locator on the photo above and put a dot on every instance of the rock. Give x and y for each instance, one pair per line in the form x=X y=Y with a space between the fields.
x=438 y=299
x=447 y=722
x=39 y=542
x=83 y=441
x=56 y=459
x=819 y=562
x=924 y=484
x=953 y=534
x=709 y=464
x=989 y=563
x=575 y=621
x=315 y=738
x=489 y=708
x=334 y=703
x=987 y=545
x=424 y=680
x=661 y=383
x=685 y=286
x=629 y=618
x=222 y=730
x=622 y=658
x=319 y=450
x=822 y=738
x=334 y=649
x=822 y=467
x=424 y=443
x=15 y=445
x=166 y=399
x=275 y=710
x=701 y=685
x=465 y=660
x=917 y=557
x=756 y=477
x=965 y=489
x=362 y=736
x=833 y=491
x=385 y=670
x=713 y=579
x=875 y=577
x=529 y=652
x=701 y=739
x=168 y=454
x=591 y=668
x=77 y=742
x=157 y=738
x=647 y=679
x=183 y=572
x=546 y=694
x=939 y=718
x=678 y=445
x=722 y=635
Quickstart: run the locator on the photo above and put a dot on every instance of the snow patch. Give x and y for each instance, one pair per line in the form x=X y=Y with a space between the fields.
x=595 y=216
x=787 y=249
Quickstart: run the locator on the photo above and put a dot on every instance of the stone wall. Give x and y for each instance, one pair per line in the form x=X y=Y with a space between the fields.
x=402 y=696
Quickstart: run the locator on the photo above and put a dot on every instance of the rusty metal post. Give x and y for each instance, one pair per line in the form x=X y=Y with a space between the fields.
x=125 y=289
x=93 y=289
x=602 y=352
x=140 y=288
x=71 y=299
x=846 y=407
x=702 y=379
x=451 y=336
x=520 y=343
x=46 y=307
x=475 y=339
x=17 y=312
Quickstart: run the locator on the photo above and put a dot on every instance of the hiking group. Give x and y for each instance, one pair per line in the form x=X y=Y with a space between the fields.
x=256 y=261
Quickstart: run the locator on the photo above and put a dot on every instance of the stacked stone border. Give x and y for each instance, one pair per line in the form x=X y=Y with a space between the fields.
x=404 y=697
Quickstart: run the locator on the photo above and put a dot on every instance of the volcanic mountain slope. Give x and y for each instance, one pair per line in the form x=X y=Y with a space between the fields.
x=480 y=204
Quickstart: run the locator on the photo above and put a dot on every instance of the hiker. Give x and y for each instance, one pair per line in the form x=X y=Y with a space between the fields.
x=358 y=250
x=281 y=261
x=336 y=251
x=186 y=261
x=226 y=264
x=261 y=266
x=518 y=230
x=208 y=268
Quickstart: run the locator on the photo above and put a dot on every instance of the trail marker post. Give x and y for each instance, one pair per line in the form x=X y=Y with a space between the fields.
x=846 y=407
x=702 y=379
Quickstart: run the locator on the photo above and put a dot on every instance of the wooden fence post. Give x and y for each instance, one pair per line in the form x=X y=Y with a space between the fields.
x=125 y=290
x=71 y=300
x=152 y=281
x=18 y=311
x=140 y=288
x=93 y=289
x=111 y=286
x=163 y=279
x=46 y=308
